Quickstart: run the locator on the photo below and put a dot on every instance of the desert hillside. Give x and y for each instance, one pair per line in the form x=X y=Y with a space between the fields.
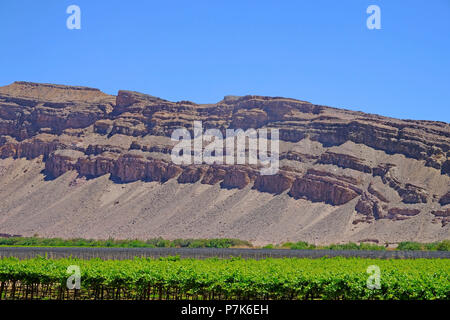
x=76 y=162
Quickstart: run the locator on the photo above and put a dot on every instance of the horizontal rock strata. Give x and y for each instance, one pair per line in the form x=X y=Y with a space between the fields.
x=395 y=169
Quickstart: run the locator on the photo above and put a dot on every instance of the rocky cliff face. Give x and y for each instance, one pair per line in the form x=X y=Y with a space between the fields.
x=387 y=169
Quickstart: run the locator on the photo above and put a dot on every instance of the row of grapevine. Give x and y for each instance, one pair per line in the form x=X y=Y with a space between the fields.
x=171 y=278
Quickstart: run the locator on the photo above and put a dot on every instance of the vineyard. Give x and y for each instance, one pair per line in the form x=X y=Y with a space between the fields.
x=173 y=278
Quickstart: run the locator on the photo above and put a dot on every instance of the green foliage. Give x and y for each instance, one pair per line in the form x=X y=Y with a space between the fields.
x=174 y=278
x=440 y=246
x=150 y=243
x=287 y=245
x=368 y=246
x=409 y=245
x=443 y=246
x=208 y=243
x=301 y=245
x=434 y=246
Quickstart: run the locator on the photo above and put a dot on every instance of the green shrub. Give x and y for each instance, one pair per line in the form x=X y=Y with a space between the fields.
x=409 y=245
x=301 y=245
x=440 y=246
x=369 y=246
x=207 y=243
x=444 y=246
x=287 y=245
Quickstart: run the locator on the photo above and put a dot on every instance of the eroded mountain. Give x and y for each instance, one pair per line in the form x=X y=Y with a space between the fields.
x=104 y=162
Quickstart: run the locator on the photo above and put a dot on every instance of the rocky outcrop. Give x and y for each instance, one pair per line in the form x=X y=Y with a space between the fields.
x=402 y=213
x=408 y=192
x=376 y=193
x=370 y=207
x=124 y=168
x=95 y=149
x=442 y=216
x=253 y=118
x=344 y=161
x=27 y=108
x=191 y=175
x=325 y=187
x=446 y=167
x=445 y=199
x=441 y=213
x=41 y=145
x=103 y=126
x=144 y=114
x=95 y=166
x=151 y=148
x=297 y=156
x=62 y=161
x=326 y=155
x=274 y=184
x=213 y=175
x=236 y=178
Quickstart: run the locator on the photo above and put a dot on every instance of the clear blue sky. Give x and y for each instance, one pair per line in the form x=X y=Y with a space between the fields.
x=319 y=51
